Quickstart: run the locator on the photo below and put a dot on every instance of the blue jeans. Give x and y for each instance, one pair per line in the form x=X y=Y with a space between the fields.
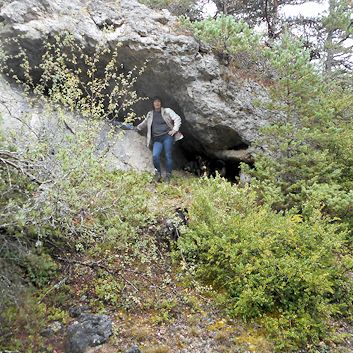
x=159 y=142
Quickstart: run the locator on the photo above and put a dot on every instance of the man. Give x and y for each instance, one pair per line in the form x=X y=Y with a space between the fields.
x=162 y=131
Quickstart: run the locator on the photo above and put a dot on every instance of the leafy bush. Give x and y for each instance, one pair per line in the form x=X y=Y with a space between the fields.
x=108 y=290
x=83 y=204
x=58 y=193
x=40 y=268
x=287 y=270
x=74 y=196
x=89 y=81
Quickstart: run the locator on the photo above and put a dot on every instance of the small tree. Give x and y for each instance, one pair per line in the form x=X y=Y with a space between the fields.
x=309 y=154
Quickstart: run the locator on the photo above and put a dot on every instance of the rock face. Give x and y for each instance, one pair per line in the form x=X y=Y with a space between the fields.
x=23 y=123
x=89 y=330
x=218 y=115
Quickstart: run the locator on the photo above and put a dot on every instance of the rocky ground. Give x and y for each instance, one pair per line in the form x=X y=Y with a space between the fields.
x=187 y=321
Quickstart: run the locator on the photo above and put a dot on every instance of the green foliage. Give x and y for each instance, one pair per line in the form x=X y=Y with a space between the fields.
x=337 y=25
x=225 y=34
x=275 y=251
x=85 y=204
x=310 y=155
x=40 y=268
x=58 y=192
x=296 y=76
x=21 y=325
x=78 y=198
x=89 y=81
x=165 y=311
x=282 y=269
x=108 y=290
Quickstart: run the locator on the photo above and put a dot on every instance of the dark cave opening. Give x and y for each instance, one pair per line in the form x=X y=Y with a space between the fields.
x=204 y=165
x=191 y=152
x=190 y=156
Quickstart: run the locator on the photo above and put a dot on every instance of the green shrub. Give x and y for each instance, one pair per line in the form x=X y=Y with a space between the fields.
x=225 y=34
x=108 y=290
x=286 y=270
x=78 y=198
x=236 y=45
x=90 y=81
x=40 y=268
x=309 y=155
x=58 y=192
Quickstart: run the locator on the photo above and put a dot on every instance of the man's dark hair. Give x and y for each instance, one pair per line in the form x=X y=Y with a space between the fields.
x=155 y=98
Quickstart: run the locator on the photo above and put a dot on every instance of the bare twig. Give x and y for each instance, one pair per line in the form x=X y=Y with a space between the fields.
x=95 y=265
x=19 y=119
x=10 y=159
x=55 y=286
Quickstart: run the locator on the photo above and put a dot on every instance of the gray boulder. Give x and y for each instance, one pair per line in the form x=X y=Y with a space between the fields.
x=89 y=330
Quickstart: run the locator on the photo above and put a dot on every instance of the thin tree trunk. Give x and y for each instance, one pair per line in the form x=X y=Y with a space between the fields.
x=329 y=45
x=329 y=52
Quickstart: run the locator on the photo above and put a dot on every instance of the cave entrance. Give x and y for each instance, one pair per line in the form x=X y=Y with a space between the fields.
x=190 y=155
x=201 y=164
x=159 y=80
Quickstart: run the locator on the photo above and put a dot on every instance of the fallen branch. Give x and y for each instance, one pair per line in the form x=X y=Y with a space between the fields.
x=55 y=286
x=95 y=265
x=10 y=159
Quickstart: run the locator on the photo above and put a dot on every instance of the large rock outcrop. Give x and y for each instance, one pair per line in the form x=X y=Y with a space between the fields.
x=218 y=115
x=23 y=123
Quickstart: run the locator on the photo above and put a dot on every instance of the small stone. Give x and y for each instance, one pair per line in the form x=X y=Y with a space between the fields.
x=134 y=349
x=76 y=311
x=53 y=328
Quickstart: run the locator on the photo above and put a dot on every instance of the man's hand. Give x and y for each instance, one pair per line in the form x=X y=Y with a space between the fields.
x=172 y=132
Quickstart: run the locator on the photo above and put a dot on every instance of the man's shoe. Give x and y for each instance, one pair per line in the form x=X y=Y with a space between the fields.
x=167 y=178
x=157 y=177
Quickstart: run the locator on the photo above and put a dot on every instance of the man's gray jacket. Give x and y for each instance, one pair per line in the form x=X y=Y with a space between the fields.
x=171 y=118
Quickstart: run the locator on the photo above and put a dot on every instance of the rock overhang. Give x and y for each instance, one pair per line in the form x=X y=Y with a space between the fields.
x=217 y=115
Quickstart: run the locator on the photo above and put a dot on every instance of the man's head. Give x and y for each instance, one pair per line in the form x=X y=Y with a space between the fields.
x=156 y=103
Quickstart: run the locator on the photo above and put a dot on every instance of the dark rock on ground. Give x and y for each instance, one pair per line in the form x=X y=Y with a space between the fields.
x=52 y=329
x=76 y=311
x=134 y=349
x=168 y=230
x=89 y=330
